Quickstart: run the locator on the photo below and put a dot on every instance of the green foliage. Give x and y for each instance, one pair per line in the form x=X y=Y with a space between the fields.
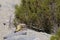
x=57 y=36
x=58 y=33
x=54 y=38
x=57 y=12
x=38 y=13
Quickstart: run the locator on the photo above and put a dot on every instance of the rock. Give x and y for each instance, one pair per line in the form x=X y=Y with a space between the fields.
x=7 y=8
x=31 y=35
x=37 y=39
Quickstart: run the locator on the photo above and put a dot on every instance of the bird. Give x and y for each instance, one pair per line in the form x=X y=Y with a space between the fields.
x=19 y=27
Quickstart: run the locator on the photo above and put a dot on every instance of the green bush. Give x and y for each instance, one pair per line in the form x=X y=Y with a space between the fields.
x=38 y=14
x=57 y=36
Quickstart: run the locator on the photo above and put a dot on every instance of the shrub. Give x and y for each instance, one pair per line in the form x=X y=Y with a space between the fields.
x=57 y=36
x=38 y=14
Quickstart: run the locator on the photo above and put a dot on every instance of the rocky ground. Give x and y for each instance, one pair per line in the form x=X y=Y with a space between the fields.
x=6 y=26
x=6 y=16
x=28 y=35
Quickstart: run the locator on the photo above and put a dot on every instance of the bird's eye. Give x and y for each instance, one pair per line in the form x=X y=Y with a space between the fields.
x=4 y=23
x=0 y=5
